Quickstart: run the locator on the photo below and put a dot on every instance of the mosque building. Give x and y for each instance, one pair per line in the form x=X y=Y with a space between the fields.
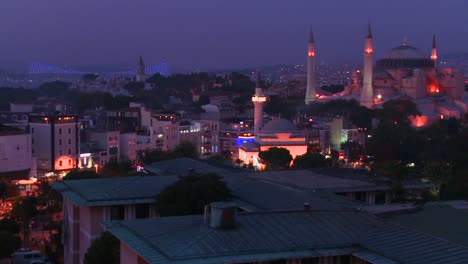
x=406 y=72
x=279 y=133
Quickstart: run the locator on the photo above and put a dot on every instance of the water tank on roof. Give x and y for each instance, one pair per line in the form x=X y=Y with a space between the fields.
x=223 y=215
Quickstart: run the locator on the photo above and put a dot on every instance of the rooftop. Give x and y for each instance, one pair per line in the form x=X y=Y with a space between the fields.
x=278 y=125
x=274 y=235
x=405 y=52
x=249 y=193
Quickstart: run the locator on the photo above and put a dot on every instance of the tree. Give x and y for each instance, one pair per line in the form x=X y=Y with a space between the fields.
x=9 y=225
x=116 y=169
x=456 y=186
x=24 y=210
x=191 y=193
x=105 y=249
x=9 y=243
x=186 y=149
x=352 y=150
x=397 y=142
x=49 y=197
x=398 y=111
x=276 y=158
x=81 y=174
x=53 y=89
x=154 y=155
x=309 y=160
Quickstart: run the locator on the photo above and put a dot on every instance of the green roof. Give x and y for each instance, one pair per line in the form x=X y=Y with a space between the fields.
x=279 y=235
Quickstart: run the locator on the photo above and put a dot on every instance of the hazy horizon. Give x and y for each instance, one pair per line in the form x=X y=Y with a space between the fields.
x=214 y=35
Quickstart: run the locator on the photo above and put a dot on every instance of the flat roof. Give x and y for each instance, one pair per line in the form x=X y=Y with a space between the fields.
x=264 y=236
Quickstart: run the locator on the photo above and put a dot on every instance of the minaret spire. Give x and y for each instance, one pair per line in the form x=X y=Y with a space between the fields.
x=258 y=99
x=311 y=94
x=434 y=50
x=369 y=30
x=367 y=93
x=140 y=77
x=259 y=80
x=311 y=36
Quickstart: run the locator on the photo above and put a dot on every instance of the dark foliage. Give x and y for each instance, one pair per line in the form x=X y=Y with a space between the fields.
x=191 y=193
x=105 y=249
x=276 y=158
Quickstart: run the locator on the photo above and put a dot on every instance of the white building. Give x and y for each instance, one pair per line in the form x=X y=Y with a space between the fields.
x=55 y=143
x=15 y=153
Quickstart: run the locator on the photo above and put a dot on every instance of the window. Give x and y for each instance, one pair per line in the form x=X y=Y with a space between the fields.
x=60 y=163
x=60 y=152
x=69 y=162
x=141 y=211
x=69 y=130
x=32 y=130
x=360 y=196
x=32 y=141
x=60 y=142
x=69 y=141
x=60 y=131
x=117 y=212
x=69 y=151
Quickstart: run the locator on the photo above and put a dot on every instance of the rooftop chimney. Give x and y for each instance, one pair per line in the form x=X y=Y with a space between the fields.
x=223 y=215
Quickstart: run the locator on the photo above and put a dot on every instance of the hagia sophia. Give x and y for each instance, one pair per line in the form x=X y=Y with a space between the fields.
x=404 y=72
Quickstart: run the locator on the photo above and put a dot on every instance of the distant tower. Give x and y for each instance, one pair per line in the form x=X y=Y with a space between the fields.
x=140 y=77
x=434 y=50
x=310 y=92
x=258 y=100
x=367 y=96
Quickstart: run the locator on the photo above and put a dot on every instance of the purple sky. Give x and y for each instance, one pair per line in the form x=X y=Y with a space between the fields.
x=214 y=34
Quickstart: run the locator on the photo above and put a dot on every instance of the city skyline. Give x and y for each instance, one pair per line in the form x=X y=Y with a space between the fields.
x=209 y=36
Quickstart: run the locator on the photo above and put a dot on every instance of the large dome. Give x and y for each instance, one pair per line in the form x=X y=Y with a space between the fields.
x=405 y=56
x=405 y=52
x=278 y=125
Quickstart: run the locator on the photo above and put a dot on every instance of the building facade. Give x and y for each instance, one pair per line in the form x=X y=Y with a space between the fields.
x=55 y=143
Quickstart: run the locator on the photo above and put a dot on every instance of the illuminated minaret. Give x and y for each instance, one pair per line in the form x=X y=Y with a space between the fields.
x=434 y=51
x=258 y=100
x=367 y=96
x=140 y=76
x=310 y=92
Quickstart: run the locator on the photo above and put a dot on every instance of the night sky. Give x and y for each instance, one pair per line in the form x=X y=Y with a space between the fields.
x=217 y=34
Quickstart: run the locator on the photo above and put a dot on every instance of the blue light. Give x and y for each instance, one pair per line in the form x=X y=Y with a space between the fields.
x=242 y=141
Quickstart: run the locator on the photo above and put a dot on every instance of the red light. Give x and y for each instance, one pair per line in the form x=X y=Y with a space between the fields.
x=368 y=50
x=311 y=53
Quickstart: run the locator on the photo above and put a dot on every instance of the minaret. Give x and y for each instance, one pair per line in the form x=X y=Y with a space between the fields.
x=367 y=96
x=434 y=50
x=311 y=94
x=258 y=100
x=140 y=76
